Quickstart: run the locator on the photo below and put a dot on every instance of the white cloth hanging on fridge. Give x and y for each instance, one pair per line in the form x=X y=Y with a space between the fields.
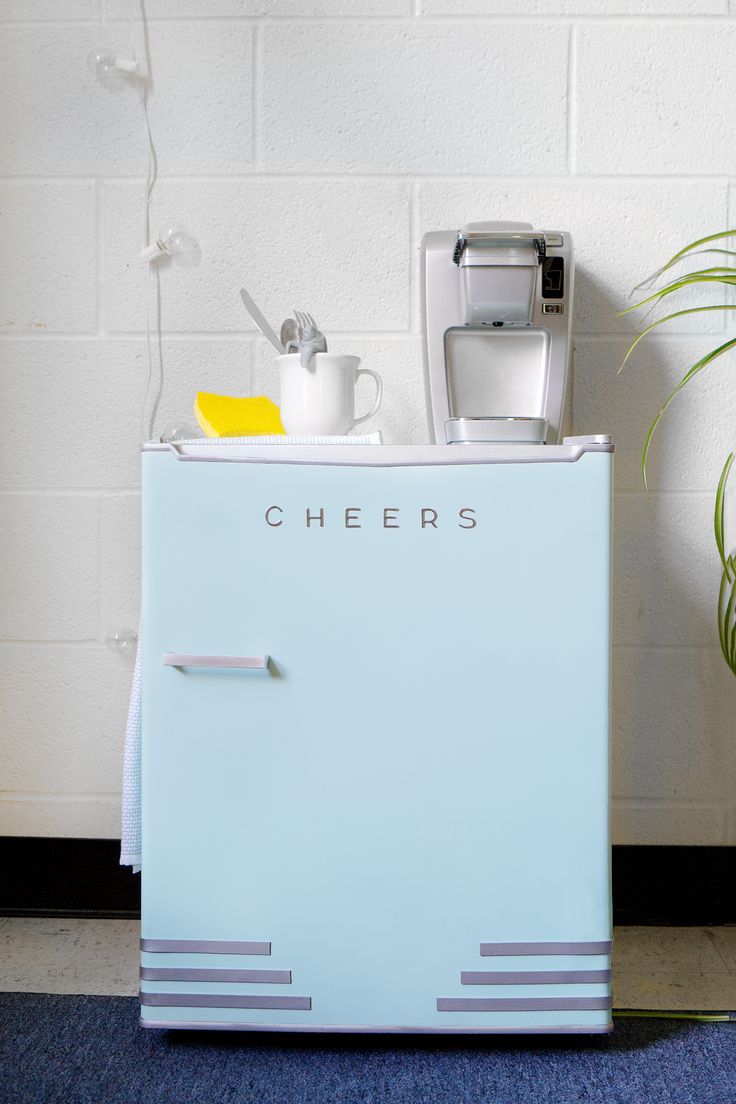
x=130 y=835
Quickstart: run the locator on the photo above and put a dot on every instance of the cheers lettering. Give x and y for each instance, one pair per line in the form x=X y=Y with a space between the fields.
x=358 y=517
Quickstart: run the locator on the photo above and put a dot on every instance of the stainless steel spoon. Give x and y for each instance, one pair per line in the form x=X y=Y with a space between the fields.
x=290 y=335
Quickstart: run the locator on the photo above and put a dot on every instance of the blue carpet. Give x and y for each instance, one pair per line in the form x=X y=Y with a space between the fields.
x=90 y=1050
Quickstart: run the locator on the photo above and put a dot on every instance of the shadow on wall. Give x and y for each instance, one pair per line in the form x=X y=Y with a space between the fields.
x=674 y=697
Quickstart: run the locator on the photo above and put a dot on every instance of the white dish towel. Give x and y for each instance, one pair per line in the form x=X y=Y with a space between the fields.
x=286 y=439
x=130 y=834
x=130 y=841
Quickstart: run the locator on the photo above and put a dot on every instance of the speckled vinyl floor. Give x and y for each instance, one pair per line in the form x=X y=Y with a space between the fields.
x=654 y=968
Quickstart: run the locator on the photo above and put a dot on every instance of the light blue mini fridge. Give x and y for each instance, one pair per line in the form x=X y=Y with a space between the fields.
x=375 y=766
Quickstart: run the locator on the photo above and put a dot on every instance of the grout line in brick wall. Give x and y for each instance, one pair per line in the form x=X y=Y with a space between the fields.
x=100 y=231
x=64 y=492
x=414 y=243
x=550 y=18
x=729 y=293
x=57 y=24
x=254 y=368
x=242 y=335
x=101 y=542
x=256 y=94
x=235 y=336
x=572 y=106
x=21 y=179
x=389 y=176
x=527 y=17
x=51 y=335
x=654 y=18
x=43 y=796
x=634 y=492
x=195 y=337
x=86 y=644
x=626 y=335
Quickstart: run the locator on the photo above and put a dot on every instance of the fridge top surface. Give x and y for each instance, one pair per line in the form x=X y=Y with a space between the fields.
x=212 y=450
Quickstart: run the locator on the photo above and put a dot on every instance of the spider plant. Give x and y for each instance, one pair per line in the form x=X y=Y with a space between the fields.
x=723 y=274
x=727 y=591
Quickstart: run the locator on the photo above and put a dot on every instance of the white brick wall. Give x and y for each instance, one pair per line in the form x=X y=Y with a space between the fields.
x=309 y=144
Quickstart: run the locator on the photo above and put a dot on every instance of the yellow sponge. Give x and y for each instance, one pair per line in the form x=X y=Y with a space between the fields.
x=224 y=416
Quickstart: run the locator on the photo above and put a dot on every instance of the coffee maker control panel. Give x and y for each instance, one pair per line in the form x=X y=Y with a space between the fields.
x=553 y=277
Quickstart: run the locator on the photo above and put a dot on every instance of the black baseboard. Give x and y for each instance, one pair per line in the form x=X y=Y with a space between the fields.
x=40 y=876
x=674 y=885
x=81 y=877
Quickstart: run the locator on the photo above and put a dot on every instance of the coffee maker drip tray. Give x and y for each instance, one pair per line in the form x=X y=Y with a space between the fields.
x=509 y=431
x=496 y=371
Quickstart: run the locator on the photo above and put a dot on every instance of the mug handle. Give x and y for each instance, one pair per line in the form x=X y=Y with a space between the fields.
x=379 y=393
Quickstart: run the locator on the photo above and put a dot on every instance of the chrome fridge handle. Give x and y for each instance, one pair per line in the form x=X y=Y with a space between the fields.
x=254 y=663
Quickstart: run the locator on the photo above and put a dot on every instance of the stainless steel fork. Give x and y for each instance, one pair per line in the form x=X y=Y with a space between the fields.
x=304 y=321
x=311 y=338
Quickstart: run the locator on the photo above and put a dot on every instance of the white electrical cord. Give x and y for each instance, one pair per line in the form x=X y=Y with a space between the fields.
x=147 y=423
x=113 y=71
x=141 y=84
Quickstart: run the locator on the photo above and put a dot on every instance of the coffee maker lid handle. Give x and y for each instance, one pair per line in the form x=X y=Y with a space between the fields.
x=491 y=238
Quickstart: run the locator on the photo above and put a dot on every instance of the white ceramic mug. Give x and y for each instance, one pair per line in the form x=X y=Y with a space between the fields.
x=320 y=399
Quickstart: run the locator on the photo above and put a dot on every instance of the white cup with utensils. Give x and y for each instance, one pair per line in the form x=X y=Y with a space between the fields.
x=320 y=400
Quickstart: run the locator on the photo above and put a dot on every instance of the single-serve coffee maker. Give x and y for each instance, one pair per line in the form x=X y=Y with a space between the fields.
x=497 y=307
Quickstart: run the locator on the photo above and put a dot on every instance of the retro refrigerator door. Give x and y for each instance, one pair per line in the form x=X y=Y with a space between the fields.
x=405 y=810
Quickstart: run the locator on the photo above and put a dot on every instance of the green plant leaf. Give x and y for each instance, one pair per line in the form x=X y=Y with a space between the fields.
x=693 y=371
x=725 y=580
x=719 y=513
x=696 y=253
x=705 y=252
x=669 y=318
x=731 y=641
x=729 y=630
x=682 y=252
x=690 y=278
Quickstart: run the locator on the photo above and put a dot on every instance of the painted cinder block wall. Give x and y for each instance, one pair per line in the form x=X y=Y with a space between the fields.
x=309 y=144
